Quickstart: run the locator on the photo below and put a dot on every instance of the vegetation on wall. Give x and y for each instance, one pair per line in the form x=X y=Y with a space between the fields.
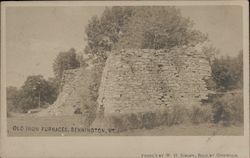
x=139 y=27
x=65 y=61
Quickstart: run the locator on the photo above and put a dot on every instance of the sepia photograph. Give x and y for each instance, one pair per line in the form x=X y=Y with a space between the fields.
x=138 y=79
x=124 y=71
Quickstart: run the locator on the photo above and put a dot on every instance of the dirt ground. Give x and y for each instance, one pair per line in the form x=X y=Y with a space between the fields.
x=72 y=126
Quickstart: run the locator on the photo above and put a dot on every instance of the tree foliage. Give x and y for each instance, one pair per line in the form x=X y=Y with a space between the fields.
x=227 y=72
x=139 y=27
x=53 y=90
x=102 y=33
x=35 y=91
x=12 y=98
x=65 y=61
x=158 y=28
x=229 y=109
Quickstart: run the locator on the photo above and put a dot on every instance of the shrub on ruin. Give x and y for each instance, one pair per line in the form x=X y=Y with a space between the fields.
x=65 y=61
x=229 y=109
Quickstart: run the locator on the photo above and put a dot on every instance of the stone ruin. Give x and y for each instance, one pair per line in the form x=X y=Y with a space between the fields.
x=144 y=80
x=138 y=80
x=74 y=94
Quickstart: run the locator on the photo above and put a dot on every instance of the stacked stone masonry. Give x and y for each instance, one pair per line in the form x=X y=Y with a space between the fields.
x=73 y=94
x=142 y=80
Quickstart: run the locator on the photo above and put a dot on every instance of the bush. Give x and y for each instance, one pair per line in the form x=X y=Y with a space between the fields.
x=134 y=121
x=172 y=116
x=226 y=109
x=227 y=72
x=201 y=114
x=229 y=109
x=123 y=122
x=148 y=120
x=177 y=114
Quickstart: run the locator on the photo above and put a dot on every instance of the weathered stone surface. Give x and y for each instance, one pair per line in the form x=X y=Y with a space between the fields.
x=137 y=80
x=74 y=95
x=140 y=80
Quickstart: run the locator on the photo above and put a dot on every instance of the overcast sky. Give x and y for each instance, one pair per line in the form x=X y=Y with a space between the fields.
x=35 y=35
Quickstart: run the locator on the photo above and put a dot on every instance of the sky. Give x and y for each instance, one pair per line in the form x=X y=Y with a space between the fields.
x=35 y=35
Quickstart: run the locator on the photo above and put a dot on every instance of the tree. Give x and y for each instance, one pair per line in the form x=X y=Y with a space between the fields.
x=35 y=93
x=65 y=61
x=227 y=72
x=53 y=89
x=12 y=98
x=102 y=33
x=158 y=28
x=139 y=27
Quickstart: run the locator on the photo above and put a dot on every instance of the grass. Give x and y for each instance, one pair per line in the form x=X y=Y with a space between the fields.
x=188 y=130
x=35 y=126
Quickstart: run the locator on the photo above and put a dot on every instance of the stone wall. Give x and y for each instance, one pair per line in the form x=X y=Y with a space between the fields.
x=75 y=93
x=142 y=80
x=136 y=80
